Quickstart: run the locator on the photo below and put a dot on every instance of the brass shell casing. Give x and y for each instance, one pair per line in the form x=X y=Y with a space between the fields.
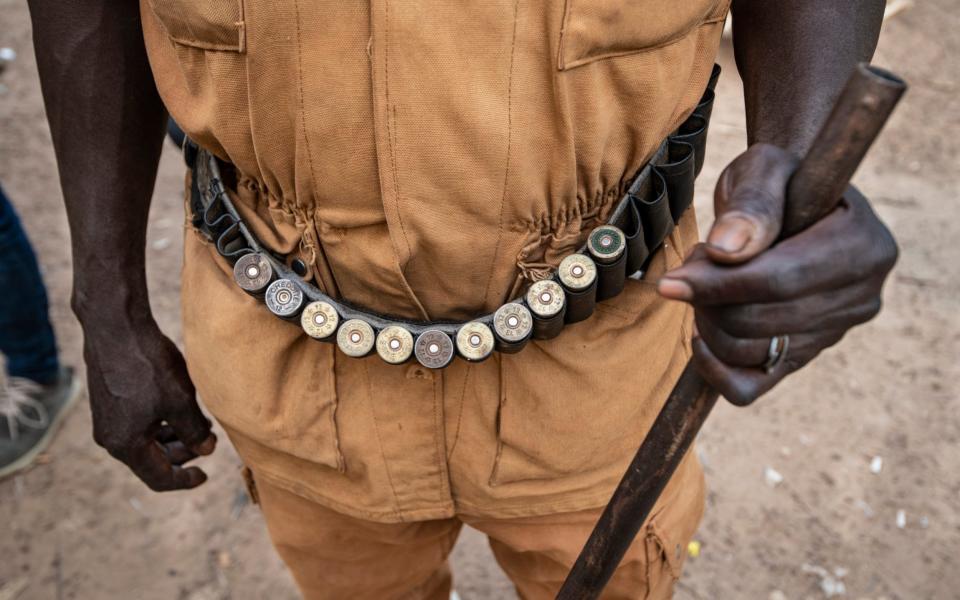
x=475 y=341
x=546 y=298
x=356 y=338
x=319 y=320
x=395 y=344
x=512 y=323
x=513 y=327
x=579 y=276
x=577 y=272
x=548 y=305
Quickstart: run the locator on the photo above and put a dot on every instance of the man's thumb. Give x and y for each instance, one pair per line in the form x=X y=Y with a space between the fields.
x=749 y=204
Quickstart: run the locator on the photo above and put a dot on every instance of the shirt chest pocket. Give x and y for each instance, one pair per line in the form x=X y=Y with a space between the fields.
x=206 y=24
x=595 y=29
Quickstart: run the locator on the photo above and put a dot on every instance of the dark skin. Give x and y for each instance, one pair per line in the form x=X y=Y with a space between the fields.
x=107 y=123
x=816 y=285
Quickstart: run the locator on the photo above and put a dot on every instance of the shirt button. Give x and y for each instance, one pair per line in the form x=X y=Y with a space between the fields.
x=299 y=267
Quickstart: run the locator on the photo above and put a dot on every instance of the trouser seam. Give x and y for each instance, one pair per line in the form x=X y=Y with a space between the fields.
x=383 y=456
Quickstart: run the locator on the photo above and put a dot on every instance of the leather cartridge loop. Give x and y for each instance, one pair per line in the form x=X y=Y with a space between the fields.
x=694 y=132
x=656 y=198
x=678 y=176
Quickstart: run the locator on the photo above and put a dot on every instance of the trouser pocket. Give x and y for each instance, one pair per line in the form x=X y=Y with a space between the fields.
x=670 y=529
x=259 y=376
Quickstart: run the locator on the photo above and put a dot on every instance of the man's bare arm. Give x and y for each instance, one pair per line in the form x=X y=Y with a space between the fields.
x=794 y=58
x=107 y=123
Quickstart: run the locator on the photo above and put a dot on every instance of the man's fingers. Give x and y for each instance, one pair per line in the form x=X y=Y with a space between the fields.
x=151 y=464
x=850 y=245
x=732 y=351
x=741 y=386
x=193 y=428
x=188 y=478
x=840 y=309
x=749 y=201
x=177 y=453
x=754 y=352
x=166 y=434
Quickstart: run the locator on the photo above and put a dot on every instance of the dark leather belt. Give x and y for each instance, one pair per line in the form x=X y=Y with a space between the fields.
x=657 y=197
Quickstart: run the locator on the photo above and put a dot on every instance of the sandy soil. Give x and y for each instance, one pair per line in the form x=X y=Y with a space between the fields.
x=78 y=525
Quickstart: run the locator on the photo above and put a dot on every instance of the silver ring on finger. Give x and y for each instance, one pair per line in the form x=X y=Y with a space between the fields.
x=779 y=344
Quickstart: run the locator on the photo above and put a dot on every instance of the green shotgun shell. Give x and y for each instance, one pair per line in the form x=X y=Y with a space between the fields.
x=253 y=273
x=434 y=349
x=606 y=244
x=475 y=341
x=284 y=298
x=395 y=344
x=319 y=320
x=356 y=338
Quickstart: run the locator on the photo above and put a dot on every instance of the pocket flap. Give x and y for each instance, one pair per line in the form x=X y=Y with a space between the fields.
x=210 y=24
x=674 y=524
x=594 y=29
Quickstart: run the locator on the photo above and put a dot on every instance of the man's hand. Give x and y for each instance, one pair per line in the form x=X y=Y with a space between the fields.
x=746 y=288
x=108 y=122
x=144 y=407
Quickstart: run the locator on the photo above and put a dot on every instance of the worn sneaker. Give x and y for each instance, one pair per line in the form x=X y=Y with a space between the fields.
x=30 y=415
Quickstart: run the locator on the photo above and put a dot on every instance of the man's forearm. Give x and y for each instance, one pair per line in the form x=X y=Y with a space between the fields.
x=794 y=58
x=107 y=123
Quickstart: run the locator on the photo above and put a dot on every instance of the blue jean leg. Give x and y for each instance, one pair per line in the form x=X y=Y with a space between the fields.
x=26 y=336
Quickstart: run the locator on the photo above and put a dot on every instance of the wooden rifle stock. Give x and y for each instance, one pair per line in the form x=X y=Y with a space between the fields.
x=813 y=192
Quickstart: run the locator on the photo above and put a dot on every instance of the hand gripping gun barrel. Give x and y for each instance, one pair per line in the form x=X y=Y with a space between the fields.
x=820 y=181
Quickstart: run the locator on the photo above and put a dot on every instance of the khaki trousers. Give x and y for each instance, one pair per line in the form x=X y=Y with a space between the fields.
x=334 y=556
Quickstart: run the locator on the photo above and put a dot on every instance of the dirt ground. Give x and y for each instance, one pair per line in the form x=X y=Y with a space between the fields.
x=78 y=525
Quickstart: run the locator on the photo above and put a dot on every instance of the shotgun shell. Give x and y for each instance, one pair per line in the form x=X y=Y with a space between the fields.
x=253 y=273
x=578 y=275
x=395 y=344
x=548 y=303
x=577 y=272
x=545 y=299
x=512 y=325
x=284 y=298
x=434 y=349
x=475 y=341
x=356 y=338
x=606 y=244
x=319 y=320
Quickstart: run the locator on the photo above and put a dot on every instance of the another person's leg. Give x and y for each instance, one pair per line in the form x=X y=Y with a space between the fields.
x=537 y=552
x=36 y=391
x=333 y=556
x=26 y=336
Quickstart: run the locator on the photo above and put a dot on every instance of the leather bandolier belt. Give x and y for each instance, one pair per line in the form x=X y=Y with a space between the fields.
x=656 y=198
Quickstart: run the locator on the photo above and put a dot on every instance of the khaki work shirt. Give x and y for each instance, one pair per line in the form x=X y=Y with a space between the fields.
x=427 y=160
